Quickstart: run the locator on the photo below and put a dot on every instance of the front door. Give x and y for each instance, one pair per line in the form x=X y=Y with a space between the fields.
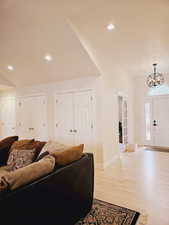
x=160 y=121
x=157 y=121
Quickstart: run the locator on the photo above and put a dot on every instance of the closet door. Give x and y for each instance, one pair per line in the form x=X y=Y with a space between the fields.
x=83 y=125
x=39 y=117
x=7 y=117
x=24 y=118
x=32 y=118
x=64 y=117
x=74 y=123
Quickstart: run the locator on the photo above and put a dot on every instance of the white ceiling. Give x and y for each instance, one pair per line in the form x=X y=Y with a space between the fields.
x=28 y=31
x=74 y=32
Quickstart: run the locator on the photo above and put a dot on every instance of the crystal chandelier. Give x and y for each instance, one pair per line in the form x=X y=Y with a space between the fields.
x=155 y=79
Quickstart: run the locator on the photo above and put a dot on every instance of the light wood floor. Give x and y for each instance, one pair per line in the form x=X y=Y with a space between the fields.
x=140 y=181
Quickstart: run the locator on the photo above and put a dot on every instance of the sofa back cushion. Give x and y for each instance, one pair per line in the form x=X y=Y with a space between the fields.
x=5 y=146
x=68 y=155
x=18 y=159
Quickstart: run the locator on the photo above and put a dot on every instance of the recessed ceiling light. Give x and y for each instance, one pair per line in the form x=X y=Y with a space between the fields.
x=11 y=68
x=48 y=57
x=110 y=27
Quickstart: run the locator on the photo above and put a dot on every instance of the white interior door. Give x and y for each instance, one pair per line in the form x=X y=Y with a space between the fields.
x=7 y=117
x=32 y=118
x=160 y=121
x=39 y=118
x=25 y=120
x=83 y=126
x=64 y=117
x=74 y=123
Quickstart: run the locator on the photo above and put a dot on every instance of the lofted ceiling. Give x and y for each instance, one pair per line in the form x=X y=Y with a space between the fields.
x=74 y=33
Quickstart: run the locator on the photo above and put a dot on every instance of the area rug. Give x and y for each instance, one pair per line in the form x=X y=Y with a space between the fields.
x=104 y=213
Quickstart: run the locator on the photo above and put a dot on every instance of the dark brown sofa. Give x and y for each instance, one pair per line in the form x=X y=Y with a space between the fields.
x=60 y=198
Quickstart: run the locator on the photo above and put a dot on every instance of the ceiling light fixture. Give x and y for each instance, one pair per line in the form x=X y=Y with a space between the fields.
x=48 y=57
x=11 y=68
x=155 y=79
x=110 y=27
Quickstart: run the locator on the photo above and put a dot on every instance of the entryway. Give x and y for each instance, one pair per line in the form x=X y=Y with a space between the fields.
x=157 y=121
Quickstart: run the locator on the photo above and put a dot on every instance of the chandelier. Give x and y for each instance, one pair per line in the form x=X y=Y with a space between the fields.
x=155 y=79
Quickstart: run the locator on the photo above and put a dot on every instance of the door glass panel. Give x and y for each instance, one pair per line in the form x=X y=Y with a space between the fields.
x=147 y=121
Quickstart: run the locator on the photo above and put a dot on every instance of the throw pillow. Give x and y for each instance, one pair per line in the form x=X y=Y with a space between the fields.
x=8 y=141
x=52 y=146
x=68 y=155
x=5 y=146
x=27 y=174
x=21 y=144
x=38 y=145
x=18 y=159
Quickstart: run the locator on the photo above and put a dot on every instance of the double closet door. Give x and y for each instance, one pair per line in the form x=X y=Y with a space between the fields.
x=32 y=117
x=7 y=117
x=74 y=118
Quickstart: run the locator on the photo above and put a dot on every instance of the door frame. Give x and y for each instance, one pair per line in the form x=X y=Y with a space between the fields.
x=124 y=99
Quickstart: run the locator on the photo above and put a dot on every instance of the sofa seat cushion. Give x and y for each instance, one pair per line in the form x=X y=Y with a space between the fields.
x=18 y=159
x=27 y=174
x=68 y=155
x=5 y=146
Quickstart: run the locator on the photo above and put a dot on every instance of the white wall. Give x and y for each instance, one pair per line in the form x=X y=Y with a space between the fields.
x=51 y=89
x=106 y=92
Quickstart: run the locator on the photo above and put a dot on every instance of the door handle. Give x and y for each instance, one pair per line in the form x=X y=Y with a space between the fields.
x=154 y=123
x=71 y=130
x=31 y=128
x=75 y=131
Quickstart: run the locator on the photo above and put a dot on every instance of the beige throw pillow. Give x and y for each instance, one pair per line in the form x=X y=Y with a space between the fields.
x=68 y=155
x=27 y=174
x=52 y=146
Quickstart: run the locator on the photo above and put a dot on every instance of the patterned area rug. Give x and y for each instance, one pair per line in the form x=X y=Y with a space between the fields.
x=104 y=213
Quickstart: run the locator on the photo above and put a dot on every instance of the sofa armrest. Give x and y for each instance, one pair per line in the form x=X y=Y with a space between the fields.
x=60 y=198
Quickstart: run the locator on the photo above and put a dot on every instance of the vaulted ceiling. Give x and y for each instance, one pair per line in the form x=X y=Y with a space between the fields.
x=74 y=33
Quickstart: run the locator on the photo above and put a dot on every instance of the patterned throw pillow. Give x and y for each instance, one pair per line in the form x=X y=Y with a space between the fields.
x=18 y=159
